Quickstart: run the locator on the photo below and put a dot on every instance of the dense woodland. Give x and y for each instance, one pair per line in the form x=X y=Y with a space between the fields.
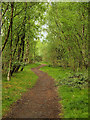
x=54 y=33
x=19 y=34
x=67 y=35
x=65 y=45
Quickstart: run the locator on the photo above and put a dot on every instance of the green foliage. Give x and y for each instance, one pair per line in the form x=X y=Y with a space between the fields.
x=78 y=80
x=74 y=98
x=38 y=58
x=16 y=63
x=20 y=43
x=20 y=82
x=67 y=41
x=65 y=45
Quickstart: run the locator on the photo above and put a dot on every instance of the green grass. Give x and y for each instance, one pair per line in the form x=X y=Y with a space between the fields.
x=20 y=82
x=42 y=62
x=73 y=99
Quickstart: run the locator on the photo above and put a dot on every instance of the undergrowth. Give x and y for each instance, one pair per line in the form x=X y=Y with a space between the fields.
x=72 y=89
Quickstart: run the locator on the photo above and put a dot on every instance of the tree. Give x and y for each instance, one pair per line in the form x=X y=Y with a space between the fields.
x=19 y=33
x=67 y=40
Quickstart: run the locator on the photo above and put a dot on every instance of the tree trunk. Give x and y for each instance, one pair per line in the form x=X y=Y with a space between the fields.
x=10 y=62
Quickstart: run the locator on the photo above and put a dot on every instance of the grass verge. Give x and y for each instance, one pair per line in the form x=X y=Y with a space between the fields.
x=19 y=83
x=74 y=98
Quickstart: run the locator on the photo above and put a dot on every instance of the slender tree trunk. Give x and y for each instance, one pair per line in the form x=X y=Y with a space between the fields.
x=22 y=45
x=27 y=52
x=10 y=62
x=5 y=9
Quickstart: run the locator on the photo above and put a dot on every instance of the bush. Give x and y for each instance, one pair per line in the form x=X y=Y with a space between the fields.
x=77 y=80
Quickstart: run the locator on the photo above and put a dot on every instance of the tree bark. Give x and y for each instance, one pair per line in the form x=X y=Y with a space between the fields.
x=10 y=62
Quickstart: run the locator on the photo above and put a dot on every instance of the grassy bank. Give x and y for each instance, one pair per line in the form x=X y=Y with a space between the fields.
x=73 y=90
x=20 y=82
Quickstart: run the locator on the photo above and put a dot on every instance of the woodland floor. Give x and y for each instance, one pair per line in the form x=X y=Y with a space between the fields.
x=41 y=101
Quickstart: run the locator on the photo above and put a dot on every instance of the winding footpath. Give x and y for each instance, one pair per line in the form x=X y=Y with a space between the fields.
x=41 y=101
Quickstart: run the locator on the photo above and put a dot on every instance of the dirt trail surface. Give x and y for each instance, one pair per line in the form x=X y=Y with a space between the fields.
x=41 y=101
